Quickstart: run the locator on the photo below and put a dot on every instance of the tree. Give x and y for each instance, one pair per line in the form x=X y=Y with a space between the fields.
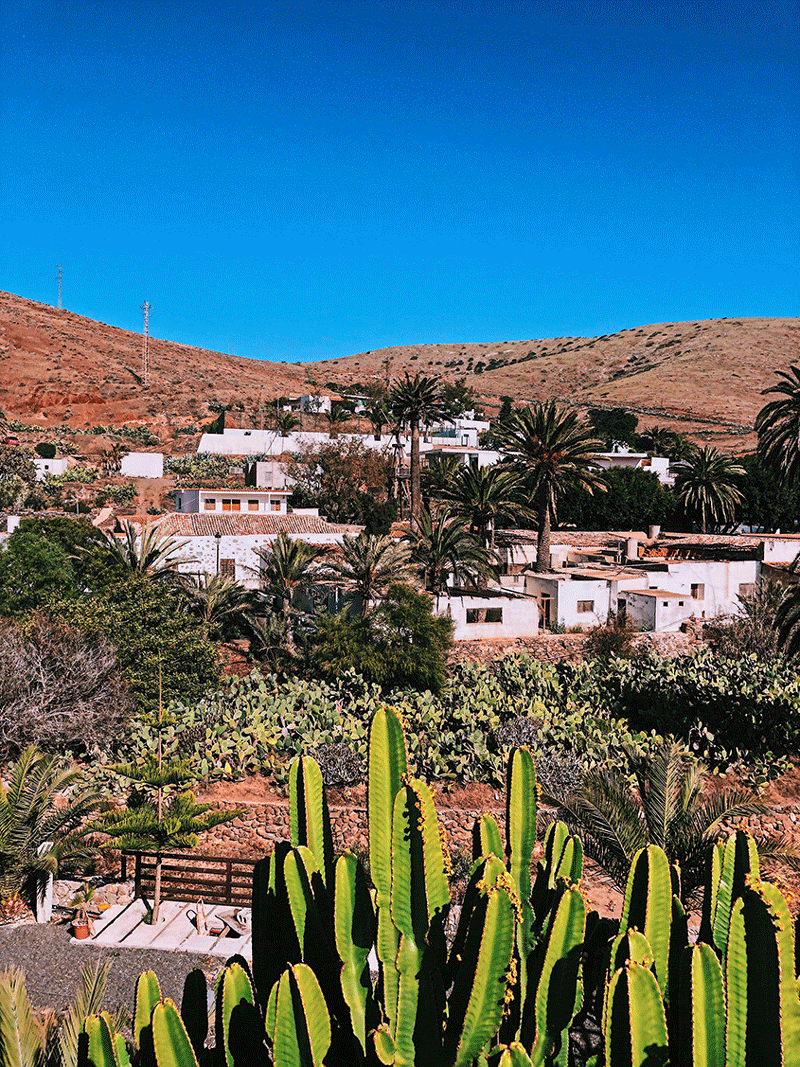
x=378 y=415
x=487 y=497
x=558 y=451
x=221 y=602
x=616 y=426
x=769 y=503
x=778 y=426
x=667 y=809
x=367 y=566
x=444 y=550
x=41 y=829
x=150 y=552
x=336 y=418
x=17 y=463
x=414 y=402
x=58 y=688
x=457 y=398
x=288 y=566
x=754 y=629
x=635 y=500
x=437 y=476
x=285 y=422
x=657 y=440
x=400 y=644
x=32 y=570
x=705 y=485
x=335 y=476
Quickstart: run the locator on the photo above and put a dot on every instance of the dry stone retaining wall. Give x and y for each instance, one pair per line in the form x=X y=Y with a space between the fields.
x=554 y=648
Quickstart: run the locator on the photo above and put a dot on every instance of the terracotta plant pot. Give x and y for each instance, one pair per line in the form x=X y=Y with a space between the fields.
x=80 y=931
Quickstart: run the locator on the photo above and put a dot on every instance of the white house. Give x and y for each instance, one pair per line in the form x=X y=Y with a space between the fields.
x=489 y=614
x=48 y=467
x=658 y=465
x=143 y=465
x=236 y=501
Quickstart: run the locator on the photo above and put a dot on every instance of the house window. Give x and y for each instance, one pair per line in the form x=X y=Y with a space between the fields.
x=252 y=505
x=680 y=603
x=178 y=503
x=585 y=606
x=665 y=603
x=227 y=568
x=747 y=589
x=231 y=505
x=475 y=615
x=210 y=504
x=274 y=505
x=698 y=592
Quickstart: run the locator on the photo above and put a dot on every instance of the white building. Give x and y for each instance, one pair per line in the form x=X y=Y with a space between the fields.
x=143 y=465
x=235 y=501
x=50 y=467
x=489 y=614
x=658 y=465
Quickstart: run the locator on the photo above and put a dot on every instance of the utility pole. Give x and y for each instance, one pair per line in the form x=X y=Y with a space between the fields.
x=58 y=268
x=146 y=346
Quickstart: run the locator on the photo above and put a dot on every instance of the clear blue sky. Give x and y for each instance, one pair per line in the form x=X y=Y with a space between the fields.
x=312 y=178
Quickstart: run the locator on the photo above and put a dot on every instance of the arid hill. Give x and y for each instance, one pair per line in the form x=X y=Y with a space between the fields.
x=703 y=378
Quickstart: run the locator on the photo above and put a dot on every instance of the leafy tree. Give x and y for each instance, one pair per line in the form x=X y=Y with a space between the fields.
x=414 y=402
x=488 y=497
x=706 y=486
x=558 y=450
x=58 y=688
x=336 y=418
x=32 y=570
x=145 y=621
x=754 y=629
x=378 y=415
x=444 y=550
x=768 y=503
x=614 y=426
x=635 y=500
x=336 y=475
x=400 y=644
x=778 y=426
x=457 y=398
x=17 y=462
x=285 y=422
x=657 y=440
x=667 y=809
x=367 y=566
x=506 y=408
x=41 y=830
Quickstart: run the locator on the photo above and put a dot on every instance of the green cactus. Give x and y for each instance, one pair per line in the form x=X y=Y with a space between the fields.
x=562 y=860
x=763 y=1007
x=101 y=1050
x=486 y=837
x=648 y=905
x=146 y=996
x=635 y=1027
x=700 y=1009
x=233 y=989
x=729 y=864
x=354 y=924
x=297 y=1023
x=521 y=813
x=194 y=1009
x=171 y=1042
x=310 y=819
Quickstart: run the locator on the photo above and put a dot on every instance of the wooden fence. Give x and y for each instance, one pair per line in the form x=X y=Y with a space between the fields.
x=186 y=876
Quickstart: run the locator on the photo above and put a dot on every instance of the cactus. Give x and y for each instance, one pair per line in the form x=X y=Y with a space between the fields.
x=635 y=1026
x=700 y=1009
x=486 y=838
x=763 y=1006
x=521 y=812
x=729 y=864
x=194 y=1009
x=355 y=932
x=233 y=989
x=298 y=1025
x=171 y=1042
x=147 y=995
x=310 y=819
x=562 y=859
x=100 y=1048
x=648 y=905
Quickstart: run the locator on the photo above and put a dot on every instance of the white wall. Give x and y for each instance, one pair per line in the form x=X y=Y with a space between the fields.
x=45 y=467
x=143 y=465
x=520 y=617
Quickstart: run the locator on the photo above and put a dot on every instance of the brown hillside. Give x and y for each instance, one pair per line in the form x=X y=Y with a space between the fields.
x=704 y=378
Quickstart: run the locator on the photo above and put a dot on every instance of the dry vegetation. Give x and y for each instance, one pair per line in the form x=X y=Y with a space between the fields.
x=702 y=378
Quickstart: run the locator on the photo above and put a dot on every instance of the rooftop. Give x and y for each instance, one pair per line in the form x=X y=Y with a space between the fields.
x=238 y=525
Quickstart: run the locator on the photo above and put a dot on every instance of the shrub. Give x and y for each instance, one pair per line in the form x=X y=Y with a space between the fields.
x=614 y=638
x=46 y=449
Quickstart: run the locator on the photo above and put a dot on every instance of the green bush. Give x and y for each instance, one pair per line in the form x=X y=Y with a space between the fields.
x=46 y=449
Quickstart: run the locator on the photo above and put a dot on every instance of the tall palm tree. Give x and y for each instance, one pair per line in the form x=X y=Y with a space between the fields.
x=367 y=565
x=778 y=425
x=285 y=422
x=151 y=552
x=287 y=566
x=415 y=402
x=705 y=484
x=658 y=440
x=558 y=450
x=444 y=549
x=666 y=809
x=336 y=418
x=486 y=496
x=378 y=415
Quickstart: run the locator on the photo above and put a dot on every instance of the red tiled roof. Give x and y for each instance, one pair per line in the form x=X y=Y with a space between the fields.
x=233 y=525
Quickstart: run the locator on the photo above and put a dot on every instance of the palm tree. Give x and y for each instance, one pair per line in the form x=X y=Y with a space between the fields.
x=437 y=476
x=658 y=440
x=487 y=496
x=336 y=418
x=778 y=426
x=285 y=422
x=368 y=565
x=220 y=600
x=287 y=567
x=559 y=450
x=443 y=549
x=705 y=485
x=414 y=402
x=150 y=553
x=667 y=809
x=38 y=831
x=378 y=415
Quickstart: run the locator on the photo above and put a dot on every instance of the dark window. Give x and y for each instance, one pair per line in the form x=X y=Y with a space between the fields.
x=227 y=568
x=585 y=605
x=698 y=592
x=475 y=615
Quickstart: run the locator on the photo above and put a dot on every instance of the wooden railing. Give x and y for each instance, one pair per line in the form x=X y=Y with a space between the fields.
x=186 y=876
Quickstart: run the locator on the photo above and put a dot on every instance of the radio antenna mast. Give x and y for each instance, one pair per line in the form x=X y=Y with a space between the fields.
x=59 y=284
x=146 y=345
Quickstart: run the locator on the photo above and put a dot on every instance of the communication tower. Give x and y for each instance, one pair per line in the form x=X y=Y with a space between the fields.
x=146 y=345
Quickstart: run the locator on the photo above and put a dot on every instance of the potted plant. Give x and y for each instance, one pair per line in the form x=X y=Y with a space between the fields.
x=81 y=921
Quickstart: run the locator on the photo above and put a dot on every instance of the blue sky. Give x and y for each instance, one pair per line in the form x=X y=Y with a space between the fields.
x=307 y=179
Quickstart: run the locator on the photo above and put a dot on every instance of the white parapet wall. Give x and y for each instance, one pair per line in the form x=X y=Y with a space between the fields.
x=143 y=465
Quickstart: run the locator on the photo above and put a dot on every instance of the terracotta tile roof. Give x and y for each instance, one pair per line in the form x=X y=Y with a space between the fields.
x=233 y=525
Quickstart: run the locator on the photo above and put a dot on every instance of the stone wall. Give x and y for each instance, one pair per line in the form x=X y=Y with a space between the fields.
x=553 y=648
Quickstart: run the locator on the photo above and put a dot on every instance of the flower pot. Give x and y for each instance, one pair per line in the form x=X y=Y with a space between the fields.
x=80 y=931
